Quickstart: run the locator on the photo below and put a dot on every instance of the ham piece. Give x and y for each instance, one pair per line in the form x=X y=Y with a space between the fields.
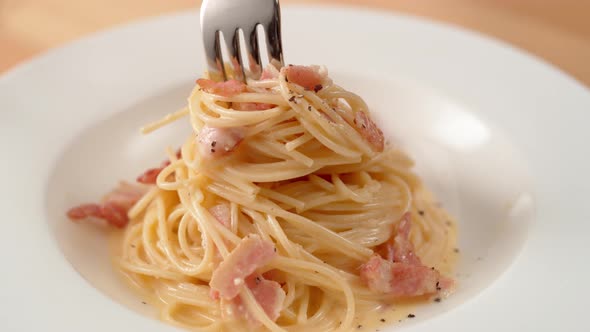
x=250 y=254
x=226 y=89
x=222 y=213
x=218 y=142
x=238 y=270
x=114 y=207
x=369 y=131
x=305 y=76
x=398 y=271
x=268 y=293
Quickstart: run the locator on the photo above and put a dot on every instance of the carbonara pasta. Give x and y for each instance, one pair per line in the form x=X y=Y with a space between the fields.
x=284 y=210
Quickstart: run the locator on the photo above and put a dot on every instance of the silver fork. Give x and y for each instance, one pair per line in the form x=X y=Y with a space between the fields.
x=229 y=17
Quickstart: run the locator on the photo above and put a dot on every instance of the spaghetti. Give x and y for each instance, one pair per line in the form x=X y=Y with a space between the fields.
x=284 y=210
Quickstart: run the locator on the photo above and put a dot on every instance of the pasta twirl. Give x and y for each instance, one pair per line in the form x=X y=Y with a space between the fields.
x=284 y=210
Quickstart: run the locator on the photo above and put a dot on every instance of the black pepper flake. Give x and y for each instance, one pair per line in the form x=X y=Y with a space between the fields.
x=421 y=212
x=382 y=320
x=292 y=99
x=213 y=143
x=456 y=250
x=275 y=249
x=437 y=299
x=438 y=286
x=257 y=280
x=363 y=125
x=411 y=316
x=212 y=150
x=359 y=326
x=317 y=88
x=143 y=302
x=309 y=108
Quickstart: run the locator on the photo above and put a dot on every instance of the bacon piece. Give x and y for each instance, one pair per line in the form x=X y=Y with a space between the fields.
x=376 y=274
x=226 y=89
x=403 y=249
x=114 y=208
x=399 y=279
x=84 y=211
x=399 y=248
x=307 y=77
x=252 y=106
x=268 y=293
x=151 y=175
x=218 y=142
x=369 y=131
x=222 y=213
x=400 y=273
x=250 y=254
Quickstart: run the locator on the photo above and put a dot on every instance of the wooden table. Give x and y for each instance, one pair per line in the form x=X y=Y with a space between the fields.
x=556 y=30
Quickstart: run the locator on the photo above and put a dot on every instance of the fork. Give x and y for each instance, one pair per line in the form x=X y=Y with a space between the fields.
x=230 y=18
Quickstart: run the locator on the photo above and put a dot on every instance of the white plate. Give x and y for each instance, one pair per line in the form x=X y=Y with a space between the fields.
x=499 y=135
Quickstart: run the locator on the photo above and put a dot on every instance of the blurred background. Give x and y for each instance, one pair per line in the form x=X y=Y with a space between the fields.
x=555 y=30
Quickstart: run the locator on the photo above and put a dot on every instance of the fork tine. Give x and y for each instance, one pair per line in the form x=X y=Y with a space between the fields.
x=211 y=43
x=232 y=40
x=252 y=51
x=219 y=67
x=272 y=30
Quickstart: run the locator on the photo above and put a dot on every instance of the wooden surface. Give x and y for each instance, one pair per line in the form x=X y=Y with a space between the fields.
x=556 y=30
